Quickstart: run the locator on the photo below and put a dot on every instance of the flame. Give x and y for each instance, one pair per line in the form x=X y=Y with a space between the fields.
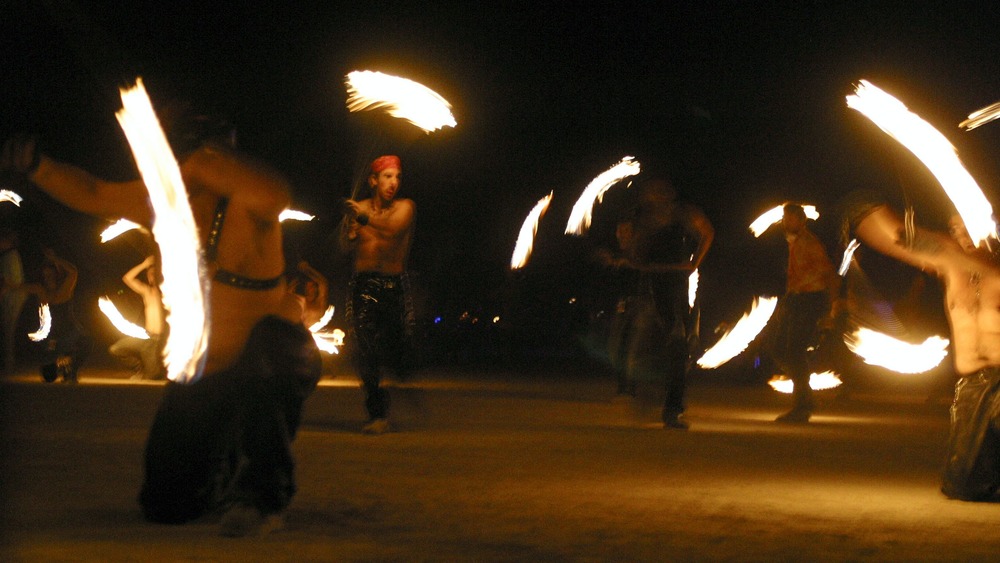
x=761 y=224
x=120 y=226
x=981 y=117
x=11 y=196
x=402 y=97
x=121 y=323
x=184 y=288
x=934 y=150
x=845 y=262
x=44 y=324
x=579 y=217
x=736 y=340
x=293 y=215
x=817 y=382
x=526 y=237
x=327 y=315
x=878 y=349
x=329 y=342
x=693 y=288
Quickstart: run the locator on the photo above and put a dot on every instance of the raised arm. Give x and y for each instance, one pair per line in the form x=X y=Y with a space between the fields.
x=882 y=229
x=131 y=277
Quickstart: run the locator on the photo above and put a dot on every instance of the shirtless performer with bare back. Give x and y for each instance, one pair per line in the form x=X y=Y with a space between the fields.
x=221 y=443
x=971 y=279
x=378 y=233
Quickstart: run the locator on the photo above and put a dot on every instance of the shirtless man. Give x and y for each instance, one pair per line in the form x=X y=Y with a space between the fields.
x=222 y=442
x=378 y=233
x=971 y=279
x=147 y=352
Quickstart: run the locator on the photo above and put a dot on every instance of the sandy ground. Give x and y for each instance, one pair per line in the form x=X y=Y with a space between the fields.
x=510 y=467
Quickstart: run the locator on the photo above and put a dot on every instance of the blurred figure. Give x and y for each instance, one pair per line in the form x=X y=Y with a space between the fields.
x=12 y=296
x=671 y=240
x=623 y=350
x=223 y=442
x=971 y=280
x=67 y=345
x=378 y=233
x=144 y=355
x=812 y=288
x=312 y=291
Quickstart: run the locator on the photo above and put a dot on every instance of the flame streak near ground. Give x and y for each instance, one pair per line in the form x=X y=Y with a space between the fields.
x=402 y=98
x=934 y=150
x=878 y=349
x=579 y=217
x=123 y=325
x=817 y=382
x=184 y=288
x=44 y=324
x=526 y=237
x=736 y=340
x=761 y=224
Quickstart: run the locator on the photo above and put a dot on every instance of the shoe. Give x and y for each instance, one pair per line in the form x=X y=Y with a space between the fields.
x=242 y=520
x=675 y=423
x=795 y=416
x=376 y=426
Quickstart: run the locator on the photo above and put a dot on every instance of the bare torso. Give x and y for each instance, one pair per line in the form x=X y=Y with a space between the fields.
x=972 y=301
x=384 y=244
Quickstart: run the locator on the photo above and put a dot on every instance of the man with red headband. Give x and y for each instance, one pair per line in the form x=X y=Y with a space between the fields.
x=378 y=234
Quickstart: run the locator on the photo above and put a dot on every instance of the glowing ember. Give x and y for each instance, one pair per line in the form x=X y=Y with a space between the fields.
x=934 y=150
x=981 y=117
x=44 y=324
x=11 y=196
x=845 y=262
x=526 y=237
x=770 y=217
x=184 y=287
x=817 y=382
x=401 y=97
x=692 y=288
x=120 y=226
x=579 y=217
x=293 y=215
x=878 y=349
x=740 y=336
x=123 y=325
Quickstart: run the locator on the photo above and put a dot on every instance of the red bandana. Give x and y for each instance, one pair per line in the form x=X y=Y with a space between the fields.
x=387 y=161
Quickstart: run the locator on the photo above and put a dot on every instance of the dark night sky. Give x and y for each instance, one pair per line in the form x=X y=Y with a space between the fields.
x=742 y=101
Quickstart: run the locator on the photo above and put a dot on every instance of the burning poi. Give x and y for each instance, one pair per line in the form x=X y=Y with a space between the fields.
x=185 y=285
x=526 y=236
x=935 y=151
x=579 y=218
x=401 y=97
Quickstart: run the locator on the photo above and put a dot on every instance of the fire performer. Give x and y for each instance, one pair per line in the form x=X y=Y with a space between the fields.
x=671 y=240
x=378 y=232
x=144 y=353
x=971 y=279
x=222 y=442
x=812 y=290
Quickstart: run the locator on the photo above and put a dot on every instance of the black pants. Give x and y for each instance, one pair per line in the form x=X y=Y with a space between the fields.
x=227 y=437
x=795 y=331
x=972 y=469
x=381 y=319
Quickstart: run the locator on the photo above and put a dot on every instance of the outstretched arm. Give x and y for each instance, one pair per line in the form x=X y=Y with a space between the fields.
x=256 y=188
x=883 y=230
